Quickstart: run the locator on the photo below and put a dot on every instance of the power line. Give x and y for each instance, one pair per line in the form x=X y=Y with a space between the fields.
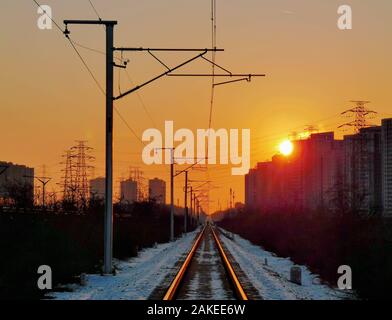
x=104 y=93
x=55 y=23
x=95 y=10
x=128 y=126
x=276 y=134
x=86 y=66
x=73 y=45
x=119 y=75
x=141 y=100
x=93 y=50
x=119 y=84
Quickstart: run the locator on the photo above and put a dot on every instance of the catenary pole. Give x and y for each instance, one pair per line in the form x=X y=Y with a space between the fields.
x=172 y=195
x=186 y=202
x=108 y=216
x=108 y=232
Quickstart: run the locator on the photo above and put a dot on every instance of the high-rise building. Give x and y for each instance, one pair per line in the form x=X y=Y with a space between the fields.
x=322 y=170
x=324 y=173
x=363 y=166
x=16 y=182
x=128 y=191
x=157 y=190
x=351 y=169
x=251 y=190
x=386 y=140
x=304 y=180
x=97 y=188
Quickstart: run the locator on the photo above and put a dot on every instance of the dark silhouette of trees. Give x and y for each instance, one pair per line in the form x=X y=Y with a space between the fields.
x=19 y=195
x=324 y=240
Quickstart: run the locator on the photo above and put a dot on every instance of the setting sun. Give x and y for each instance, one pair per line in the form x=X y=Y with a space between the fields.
x=286 y=147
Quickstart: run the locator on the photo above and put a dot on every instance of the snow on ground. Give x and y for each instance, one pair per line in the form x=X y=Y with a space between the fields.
x=136 y=278
x=272 y=280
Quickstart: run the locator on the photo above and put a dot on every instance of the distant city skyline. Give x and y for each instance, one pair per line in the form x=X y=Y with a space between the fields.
x=324 y=173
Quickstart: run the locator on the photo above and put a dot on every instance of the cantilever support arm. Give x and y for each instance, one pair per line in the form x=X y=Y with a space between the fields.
x=160 y=76
x=190 y=167
x=231 y=81
x=106 y=22
x=168 y=49
x=216 y=75
x=243 y=77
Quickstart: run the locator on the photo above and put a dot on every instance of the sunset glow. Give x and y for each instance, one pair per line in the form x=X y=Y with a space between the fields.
x=295 y=94
x=286 y=147
x=206 y=150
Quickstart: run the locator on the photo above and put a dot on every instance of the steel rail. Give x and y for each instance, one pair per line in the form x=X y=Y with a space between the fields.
x=233 y=277
x=175 y=285
x=171 y=292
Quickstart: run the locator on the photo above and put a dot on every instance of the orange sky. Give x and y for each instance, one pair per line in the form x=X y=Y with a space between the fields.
x=48 y=100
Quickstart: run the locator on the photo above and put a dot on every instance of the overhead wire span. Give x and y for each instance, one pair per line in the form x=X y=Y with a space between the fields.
x=127 y=124
x=121 y=59
x=119 y=84
x=141 y=100
x=103 y=91
x=89 y=70
x=73 y=45
x=44 y=11
x=119 y=79
x=95 y=10
x=281 y=133
x=94 y=50
x=86 y=66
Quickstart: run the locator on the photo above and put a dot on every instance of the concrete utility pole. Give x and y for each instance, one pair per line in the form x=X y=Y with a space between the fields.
x=198 y=211
x=231 y=197
x=108 y=219
x=193 y=166
x=194 y=206
x=194 y=199
x=186 y=202
x=172 y=195
x=171 y=190
x=190 y=207
x=108 y=231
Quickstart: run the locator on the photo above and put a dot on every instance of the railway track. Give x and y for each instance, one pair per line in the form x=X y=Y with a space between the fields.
x=207 y=272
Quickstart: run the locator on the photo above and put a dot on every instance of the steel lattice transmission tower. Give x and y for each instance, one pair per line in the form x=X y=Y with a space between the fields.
x=135 y=174
x=68 y=184
x=81 y=167
x=361 y=114
x=310 y=128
